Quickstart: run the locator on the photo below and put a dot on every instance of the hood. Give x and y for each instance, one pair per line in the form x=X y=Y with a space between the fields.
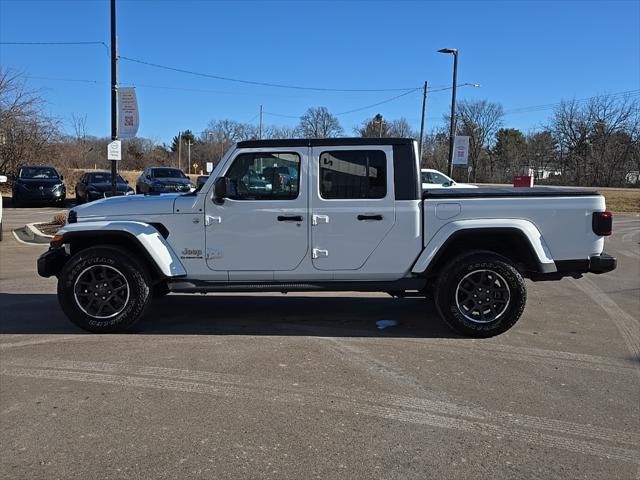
x=132 y=205
x=45 y=182
x=173 y=181
x=106 y=186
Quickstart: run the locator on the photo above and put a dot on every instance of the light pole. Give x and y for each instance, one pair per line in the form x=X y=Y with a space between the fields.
x=452 y=130
x=114 y=91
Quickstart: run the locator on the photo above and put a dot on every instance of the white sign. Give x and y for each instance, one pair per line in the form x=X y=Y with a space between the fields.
x=114 y=150
x=209 y=167
x=128 y=118
x=460 y=150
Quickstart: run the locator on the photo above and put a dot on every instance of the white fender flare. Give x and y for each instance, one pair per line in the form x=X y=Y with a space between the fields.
x=147 y=236
x=525 y=227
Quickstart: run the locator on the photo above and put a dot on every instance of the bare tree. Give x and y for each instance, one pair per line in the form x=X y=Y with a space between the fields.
x=598 y=139
x=282 y=132
x=318 y=122
x=435 y=150
x=79 y=123
x=480 y=121
x=400 y=128
x=26 y=133
x=375 y=127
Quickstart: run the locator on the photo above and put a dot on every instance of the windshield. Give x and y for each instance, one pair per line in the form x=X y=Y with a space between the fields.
x=167 y=173
x=38 y=172
x=104 y=178
x=433 y=177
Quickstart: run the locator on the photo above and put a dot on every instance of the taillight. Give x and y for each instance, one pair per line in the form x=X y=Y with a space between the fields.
x=602 y=223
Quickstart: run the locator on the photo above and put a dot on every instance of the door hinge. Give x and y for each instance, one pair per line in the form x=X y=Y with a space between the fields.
x=316 y=219
x=317 y=253
x=209 y=220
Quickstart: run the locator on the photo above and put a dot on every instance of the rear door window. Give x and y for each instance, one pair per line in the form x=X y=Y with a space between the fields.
x=353 y=174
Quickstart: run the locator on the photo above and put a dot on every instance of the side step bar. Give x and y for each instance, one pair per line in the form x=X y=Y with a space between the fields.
x=200 y=286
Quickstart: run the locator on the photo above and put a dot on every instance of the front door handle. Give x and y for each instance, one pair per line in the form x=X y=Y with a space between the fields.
x=369 y=217
x=292 y=218
x=209 y=220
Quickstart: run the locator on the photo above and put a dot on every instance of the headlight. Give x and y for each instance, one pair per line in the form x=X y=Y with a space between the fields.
x=130 y=191
x=58 y=188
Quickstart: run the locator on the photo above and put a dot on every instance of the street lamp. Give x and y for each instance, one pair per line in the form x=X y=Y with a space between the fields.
x=452 y=130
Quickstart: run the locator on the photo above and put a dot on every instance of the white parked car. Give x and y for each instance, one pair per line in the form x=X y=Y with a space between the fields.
x=435 y=179
x=349 y=215
x=3 y=179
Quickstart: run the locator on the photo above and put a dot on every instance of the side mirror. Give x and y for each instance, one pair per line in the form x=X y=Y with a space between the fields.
x=126 y=181
x=223 y=188
x=61 y=177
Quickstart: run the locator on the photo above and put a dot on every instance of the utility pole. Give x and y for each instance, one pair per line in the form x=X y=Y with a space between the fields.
x=424 y=108
x=260 y=131
x=189 y=155
x=114 y=92
x=179 y=149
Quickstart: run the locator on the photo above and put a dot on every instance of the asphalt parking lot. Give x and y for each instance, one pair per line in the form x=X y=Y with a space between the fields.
x=305 y=386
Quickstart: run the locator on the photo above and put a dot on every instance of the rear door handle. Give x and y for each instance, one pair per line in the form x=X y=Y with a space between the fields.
x=293 y=218
x=369 y=217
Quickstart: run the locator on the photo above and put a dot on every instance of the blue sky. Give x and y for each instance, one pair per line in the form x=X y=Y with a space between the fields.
x=522 y=53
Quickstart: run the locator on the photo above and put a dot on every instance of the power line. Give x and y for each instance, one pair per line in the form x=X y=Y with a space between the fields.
x=281 y=115
x=262 y=84
x=58 y=43
x=379 y=103
x=76 y=80
x=413 y=90
x=549 y=106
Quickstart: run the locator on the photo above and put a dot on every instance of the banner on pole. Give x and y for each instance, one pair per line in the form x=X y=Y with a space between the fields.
x=460 y=150
x=128 y=117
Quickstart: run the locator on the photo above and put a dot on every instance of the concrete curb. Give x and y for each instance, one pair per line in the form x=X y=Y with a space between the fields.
x=33 y=233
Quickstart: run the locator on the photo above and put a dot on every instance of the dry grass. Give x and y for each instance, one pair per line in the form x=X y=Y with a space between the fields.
x=59 y=218
x=622 y=200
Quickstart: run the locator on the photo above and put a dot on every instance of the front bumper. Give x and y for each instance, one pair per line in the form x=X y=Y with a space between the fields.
x=40 y=196
x=51 y=262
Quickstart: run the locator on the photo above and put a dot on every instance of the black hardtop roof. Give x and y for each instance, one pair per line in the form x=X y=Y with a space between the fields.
x=323 y=142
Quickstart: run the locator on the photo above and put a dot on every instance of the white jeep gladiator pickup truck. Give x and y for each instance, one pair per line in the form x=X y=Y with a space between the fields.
x=345 y=214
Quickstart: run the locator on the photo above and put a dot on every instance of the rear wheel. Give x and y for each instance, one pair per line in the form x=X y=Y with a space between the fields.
x=103 y=289
x=480 y=294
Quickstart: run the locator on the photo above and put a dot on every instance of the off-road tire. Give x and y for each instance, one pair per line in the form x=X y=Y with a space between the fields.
x=118 y=260
x=448 y=298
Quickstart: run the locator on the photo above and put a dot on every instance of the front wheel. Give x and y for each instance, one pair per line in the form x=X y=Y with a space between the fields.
x=480 y=294
x=103 y=289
